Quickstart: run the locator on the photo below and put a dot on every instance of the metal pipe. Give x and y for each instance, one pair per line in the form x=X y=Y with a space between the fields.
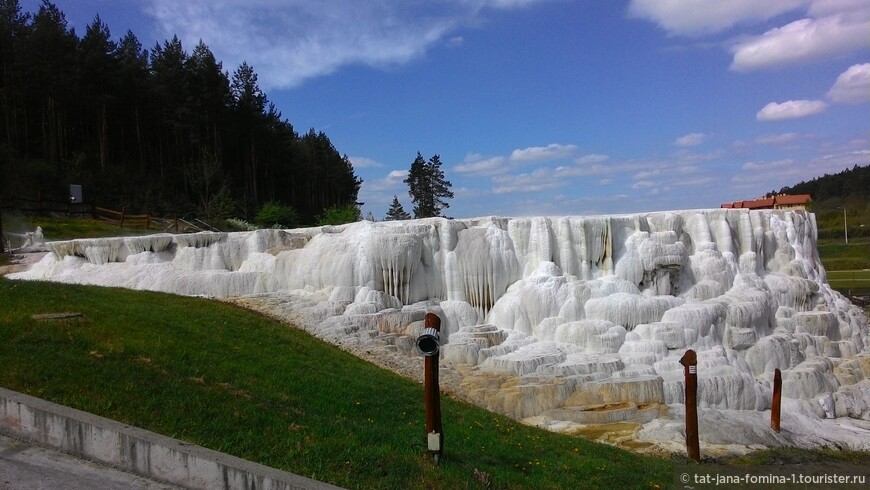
x=845 y=225
x=777 y=400
x=2 y=238
x=432 y=393
x=690 y=365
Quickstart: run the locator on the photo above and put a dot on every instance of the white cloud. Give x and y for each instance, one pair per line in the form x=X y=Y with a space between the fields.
x=845 y=159
x=684 y=169
x=790 y=109
x=540 y=180
x=390 y=182
x=777 y=139
x=379 y=192
x=507 y=4
x=853 y=85
x=646 y=174
x=820 y=8
x=587 y=170
x=686 y=157
x=759 y=177
x=691 y=139
x=363 y=162
x=476 y=165
x=291 y=41
x=829 y=27
x=643 y=184
x=696 y=17
x=778 y=164
x=540 y=153
x=803 y=40
x=592 y=158
x=463 y=191
x=693 y=182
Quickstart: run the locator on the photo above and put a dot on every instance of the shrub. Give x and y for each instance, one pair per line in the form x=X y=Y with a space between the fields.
x=339 y=215
x=275 y=214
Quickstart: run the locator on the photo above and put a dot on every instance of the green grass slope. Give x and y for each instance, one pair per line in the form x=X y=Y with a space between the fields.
x=234 y=381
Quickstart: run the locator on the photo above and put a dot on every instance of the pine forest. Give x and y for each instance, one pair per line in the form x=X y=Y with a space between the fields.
x=165 y=129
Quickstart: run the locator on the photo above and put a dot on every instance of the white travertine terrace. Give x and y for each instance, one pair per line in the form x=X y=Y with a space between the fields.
x=561 y=321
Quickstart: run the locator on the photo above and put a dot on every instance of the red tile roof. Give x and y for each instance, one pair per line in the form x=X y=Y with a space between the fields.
x=770 y=202
x=787 y=200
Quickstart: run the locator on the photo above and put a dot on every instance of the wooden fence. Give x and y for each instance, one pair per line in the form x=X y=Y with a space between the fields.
x=119 y=217
x=42 y=207
x=860 y=300
x=122 y=218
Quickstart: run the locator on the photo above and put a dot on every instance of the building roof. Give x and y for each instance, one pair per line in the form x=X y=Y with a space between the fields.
x=790 y=200
x=770 y=202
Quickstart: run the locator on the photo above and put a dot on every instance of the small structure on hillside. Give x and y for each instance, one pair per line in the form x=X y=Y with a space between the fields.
x=783 y=201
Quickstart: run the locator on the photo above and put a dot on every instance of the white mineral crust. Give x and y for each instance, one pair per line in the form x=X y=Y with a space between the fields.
x=561 y=321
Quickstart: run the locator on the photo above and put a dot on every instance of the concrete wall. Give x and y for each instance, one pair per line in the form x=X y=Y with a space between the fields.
x=135 y=450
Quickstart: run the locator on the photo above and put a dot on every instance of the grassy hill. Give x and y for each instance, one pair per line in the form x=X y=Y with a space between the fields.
x=234 y=381
x=849 y=190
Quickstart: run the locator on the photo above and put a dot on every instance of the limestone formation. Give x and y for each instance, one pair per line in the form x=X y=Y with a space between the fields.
x=561 y=321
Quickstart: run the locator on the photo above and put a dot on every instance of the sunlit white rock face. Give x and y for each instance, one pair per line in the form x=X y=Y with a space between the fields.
x=573 y=319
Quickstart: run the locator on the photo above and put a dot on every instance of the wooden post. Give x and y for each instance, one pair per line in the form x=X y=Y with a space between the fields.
x=690 y=364
x=2 y=238
x=121 y=225
x=147 y=221
x=432 y=393
x=777 y=400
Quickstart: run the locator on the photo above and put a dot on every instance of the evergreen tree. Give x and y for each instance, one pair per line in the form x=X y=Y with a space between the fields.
x=98 y=68
x=396 y=211
x=133 y=87
x=428 y=187
x=249 y=108
x=439 y=187
x=156 y=130
x=52 y=78
x=14 y=29
x=170 y=82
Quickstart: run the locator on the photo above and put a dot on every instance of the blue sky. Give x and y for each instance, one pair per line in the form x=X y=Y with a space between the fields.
x=549 y=107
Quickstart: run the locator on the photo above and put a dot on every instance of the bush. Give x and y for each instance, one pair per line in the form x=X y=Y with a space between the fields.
x=236 y=224
x=275 y=214
x=219 y=205
x=339 y=215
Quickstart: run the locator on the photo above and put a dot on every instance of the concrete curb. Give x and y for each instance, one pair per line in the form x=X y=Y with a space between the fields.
x=137 y=451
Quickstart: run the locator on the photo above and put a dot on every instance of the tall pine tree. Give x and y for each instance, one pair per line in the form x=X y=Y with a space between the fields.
x=155 y=130
x=428 y=187
x=396 y=211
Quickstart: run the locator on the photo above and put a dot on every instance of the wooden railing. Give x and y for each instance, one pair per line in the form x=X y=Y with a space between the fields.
x=41 y=206
x=860 y=300
x=122 y=218
x=119 y=217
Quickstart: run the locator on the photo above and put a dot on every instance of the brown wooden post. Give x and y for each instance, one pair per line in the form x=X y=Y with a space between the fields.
x=777 y=400
x=147 y=221
x=2 y=238
x=121 y=225
x=690 y=364
x=429 y=344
